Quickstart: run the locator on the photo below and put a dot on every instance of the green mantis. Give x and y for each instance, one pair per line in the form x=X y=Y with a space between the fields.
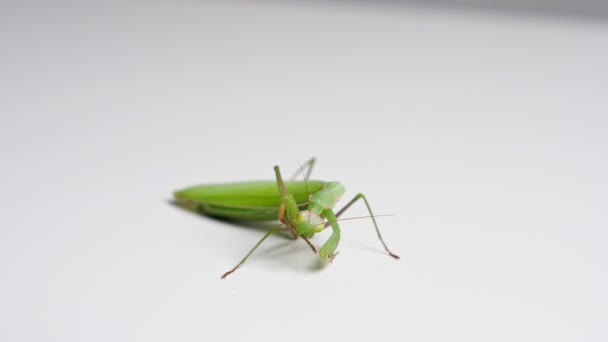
x=304 y=208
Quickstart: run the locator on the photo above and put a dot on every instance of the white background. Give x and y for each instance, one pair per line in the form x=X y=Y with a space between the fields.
x=484 y=132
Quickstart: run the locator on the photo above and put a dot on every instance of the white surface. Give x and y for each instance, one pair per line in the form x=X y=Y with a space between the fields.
x=486 y=135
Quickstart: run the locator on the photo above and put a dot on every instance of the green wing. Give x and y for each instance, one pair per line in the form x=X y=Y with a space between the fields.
x=256 y=200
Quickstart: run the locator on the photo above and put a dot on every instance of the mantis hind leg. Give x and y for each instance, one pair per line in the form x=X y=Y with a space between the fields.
x=270 y=232
x=369 y=209
x=308 y=166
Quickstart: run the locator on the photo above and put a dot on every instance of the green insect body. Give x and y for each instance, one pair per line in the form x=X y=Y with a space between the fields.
x=253 y=201
x=304 y=207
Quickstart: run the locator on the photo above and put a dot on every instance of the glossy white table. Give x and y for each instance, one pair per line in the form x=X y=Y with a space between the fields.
x=483 y=132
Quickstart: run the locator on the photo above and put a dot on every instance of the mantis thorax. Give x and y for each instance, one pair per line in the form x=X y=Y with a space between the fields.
x=312 y=221
x=325 y=198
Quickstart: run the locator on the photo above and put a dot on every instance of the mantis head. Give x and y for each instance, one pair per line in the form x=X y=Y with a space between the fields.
x=309 y=223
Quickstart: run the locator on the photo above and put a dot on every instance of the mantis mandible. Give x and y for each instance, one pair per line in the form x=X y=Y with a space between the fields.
x=304 y=208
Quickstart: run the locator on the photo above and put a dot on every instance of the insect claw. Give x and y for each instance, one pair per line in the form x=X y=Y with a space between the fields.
x=331 y=258
x=230 y=272
x=394 y=255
